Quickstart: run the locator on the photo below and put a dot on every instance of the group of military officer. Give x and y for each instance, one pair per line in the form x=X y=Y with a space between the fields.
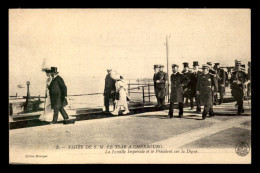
x=203 y=86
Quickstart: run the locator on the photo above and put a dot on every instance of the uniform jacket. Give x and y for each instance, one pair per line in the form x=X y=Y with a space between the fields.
x=58 y=92
x=178 y=81
x=238 y=78
x=162 y=77
x=221 y=76
x=206 y=85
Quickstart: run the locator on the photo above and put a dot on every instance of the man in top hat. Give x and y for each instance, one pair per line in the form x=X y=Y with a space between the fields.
x=192 y=86
x=58 y=96
x=156 y=70
x=109 y=91
x=206 y=86
x=186 y=73
x=238 y=82
x=178 y=81
x=160 y=80
x=221 y=78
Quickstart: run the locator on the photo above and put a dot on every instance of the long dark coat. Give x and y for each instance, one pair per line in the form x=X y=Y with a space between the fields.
x=187 y=92
x=221 y=75
x=177 y=82
x=58 y=91
x=161 y=87
x=110 y=87
x=193 y=82
x=155 y=89
x=237 y=88
x=206 y=85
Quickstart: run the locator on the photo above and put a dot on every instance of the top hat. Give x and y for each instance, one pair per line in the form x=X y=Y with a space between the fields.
x=209 y=63
x=156 y=66
x=185 y=64
x=238 y=63
x=54 y=70
x=161 y=65
x=216 y=64
x=204 y=66
x=195 y=63
x=174 y=65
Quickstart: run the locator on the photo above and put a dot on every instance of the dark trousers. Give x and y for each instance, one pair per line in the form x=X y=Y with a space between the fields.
x=171 y=109
x=208 y=109
x=161 y=101
x=197 y=103
x=221 y=98
x=56 y=113
x=240 y=106
x=106 y=100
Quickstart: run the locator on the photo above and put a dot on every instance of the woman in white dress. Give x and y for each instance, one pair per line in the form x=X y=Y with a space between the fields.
x=48 y=112
x=121 y=89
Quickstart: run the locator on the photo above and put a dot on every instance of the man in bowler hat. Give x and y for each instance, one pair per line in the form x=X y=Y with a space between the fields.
x=58 y=96
x=178 y=81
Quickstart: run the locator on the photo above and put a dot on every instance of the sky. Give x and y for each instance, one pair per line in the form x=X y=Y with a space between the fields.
x=83 y=43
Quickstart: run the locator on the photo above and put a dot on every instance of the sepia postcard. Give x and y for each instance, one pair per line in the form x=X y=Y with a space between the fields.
x=129 y=86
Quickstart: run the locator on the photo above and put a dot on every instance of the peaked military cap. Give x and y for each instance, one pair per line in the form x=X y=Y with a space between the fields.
x=156 y=66
x=174 y=65
x=161 y=65
x=205 y=66
x=209 y=63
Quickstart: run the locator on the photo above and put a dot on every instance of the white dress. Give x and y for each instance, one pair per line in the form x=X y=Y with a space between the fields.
x=48 y=112
x=121 y=87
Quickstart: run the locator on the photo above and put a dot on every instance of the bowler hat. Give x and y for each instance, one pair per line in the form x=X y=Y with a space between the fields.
x=185 y=64
x=54 y=70
x=195 y=63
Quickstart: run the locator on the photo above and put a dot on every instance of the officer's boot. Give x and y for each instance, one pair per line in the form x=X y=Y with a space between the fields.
x=171 y=110
x=180 y=109
x=211 y=113
x=204 y=114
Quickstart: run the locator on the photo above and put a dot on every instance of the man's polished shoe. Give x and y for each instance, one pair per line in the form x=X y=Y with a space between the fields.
x=53 y=122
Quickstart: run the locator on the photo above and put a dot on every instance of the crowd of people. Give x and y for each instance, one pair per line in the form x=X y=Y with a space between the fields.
x=203 y=86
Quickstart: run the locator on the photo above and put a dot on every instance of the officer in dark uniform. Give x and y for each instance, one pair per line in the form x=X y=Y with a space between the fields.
x=214 y=73
x=160 y=80
x=206 y=86
x=221 y=77
x=186 y=73
x=238 y=81
x=178 y=81
x=156 y=70
x=192 y=86
x=109 y=91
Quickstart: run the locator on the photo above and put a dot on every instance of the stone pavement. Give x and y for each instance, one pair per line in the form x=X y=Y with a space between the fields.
x=143 y=128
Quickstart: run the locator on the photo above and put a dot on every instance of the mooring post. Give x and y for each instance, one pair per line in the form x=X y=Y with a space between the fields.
x=143 y=96
x=26 y=108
